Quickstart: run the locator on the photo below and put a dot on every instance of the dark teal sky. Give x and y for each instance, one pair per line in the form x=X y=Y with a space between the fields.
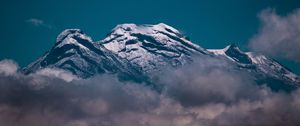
x=211 y=24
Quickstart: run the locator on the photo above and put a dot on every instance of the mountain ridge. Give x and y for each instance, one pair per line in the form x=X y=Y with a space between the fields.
x=134 y=51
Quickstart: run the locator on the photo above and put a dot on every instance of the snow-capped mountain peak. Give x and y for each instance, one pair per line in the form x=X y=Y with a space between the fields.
x=74 y=37
x=76 y=52
x=66 y=33
x=144 y=29
x=233 y=53
x=256 y=63
x=151 y=46
x=232 y=47
x=161 y=32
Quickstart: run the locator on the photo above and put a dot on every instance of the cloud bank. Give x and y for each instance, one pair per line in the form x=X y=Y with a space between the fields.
x=206 y=93
x=279 y=36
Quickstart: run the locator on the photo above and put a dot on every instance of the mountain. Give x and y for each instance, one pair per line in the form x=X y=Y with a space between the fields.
x=151 y=46
x=133 y=51
x=128 y=48
x=76 y=52
x=264 y=69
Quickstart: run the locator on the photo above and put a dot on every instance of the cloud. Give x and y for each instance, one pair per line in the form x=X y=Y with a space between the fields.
x=35 y=22
x=212 y=77
x=279 y=36
x=206 y=93
x=38 y=23
x=8 y=67
x=52 y=72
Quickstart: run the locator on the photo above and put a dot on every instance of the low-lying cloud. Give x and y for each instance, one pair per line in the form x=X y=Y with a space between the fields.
x=206 y=93
x=279 y=36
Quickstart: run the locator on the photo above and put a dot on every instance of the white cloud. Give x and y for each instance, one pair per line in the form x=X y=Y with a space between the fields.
x=52 y=72
x=39 y=23
x=279 y=36
x=205 y=93
x=8 y=67
x=35 y=22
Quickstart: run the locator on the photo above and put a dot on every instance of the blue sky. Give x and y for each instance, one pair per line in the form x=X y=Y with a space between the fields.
x=29 y=28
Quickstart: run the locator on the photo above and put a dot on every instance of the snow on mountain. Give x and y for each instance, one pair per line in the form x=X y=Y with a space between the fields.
x=256 y=63
x=272 y=67
x=151 y=46
x=76 y=52
x=132 y=51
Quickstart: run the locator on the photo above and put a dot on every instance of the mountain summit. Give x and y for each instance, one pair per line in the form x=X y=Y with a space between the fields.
x=264 y=69
x=151 y=46
x=76 y=52
x=133 y=51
